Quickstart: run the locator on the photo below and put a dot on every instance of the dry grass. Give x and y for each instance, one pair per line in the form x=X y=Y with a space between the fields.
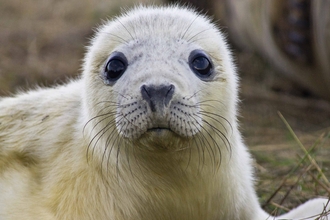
x=303 y=177
x=42 y=42
x=284 y=179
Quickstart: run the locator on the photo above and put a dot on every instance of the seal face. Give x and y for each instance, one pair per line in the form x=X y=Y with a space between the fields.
x=158 y=78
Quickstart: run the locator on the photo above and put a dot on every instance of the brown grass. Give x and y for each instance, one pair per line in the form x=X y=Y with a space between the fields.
x=304 y=177
x=42 y=42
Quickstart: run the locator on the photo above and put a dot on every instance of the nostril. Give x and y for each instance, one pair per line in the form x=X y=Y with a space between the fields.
x=157 y=96
x=169 y=94
x=170 y=90
x=145 y=93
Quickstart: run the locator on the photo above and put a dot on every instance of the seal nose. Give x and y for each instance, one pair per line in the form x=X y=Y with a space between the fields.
x=157 y=97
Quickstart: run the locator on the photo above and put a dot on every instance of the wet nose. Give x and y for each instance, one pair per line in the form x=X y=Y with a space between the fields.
x=158 y=97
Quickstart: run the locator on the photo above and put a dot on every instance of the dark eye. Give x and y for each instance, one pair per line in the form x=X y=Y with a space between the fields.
x=115 y=67
x=200 y=63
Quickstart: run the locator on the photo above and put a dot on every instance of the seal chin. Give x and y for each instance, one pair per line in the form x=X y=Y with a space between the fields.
x=160 y=139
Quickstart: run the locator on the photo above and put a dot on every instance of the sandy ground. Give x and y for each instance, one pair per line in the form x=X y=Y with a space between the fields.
x=42 y=43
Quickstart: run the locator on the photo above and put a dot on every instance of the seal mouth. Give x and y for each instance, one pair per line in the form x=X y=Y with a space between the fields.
x=158 y=129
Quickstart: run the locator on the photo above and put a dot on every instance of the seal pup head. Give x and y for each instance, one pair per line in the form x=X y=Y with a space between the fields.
x=161 y=79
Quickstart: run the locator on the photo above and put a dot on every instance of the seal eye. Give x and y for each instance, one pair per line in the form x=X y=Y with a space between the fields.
x=200 y=64
x=115 y=67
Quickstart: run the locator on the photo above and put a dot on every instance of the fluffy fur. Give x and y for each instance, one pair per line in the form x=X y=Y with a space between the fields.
x=94 y=149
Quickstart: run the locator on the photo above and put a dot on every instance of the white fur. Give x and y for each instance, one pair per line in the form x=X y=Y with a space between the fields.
x=52 y=167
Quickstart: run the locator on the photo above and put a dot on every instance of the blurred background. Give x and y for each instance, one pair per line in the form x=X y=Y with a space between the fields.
x=280 y=48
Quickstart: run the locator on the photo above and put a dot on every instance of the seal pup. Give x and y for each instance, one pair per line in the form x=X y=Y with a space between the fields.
x=148 y=132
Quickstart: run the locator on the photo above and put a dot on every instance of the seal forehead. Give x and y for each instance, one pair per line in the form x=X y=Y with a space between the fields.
x=161 y=24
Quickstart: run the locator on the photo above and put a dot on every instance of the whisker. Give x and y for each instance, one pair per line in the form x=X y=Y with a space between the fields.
x=104 y=130
x=96 y=117
x=93 y=118
x=202 y=103
x=197 y=147
x=221 y=135
x=127 y=154
x=217 y=131
x=113 y=104
x=193 y=95
x=90 y=143
x=111 y=142
x=192 y=40
x=200 y=39
x=126 y=29
x=119 y=39
x=187 y=147
x=207 y=114
x=132 y=25
x=188 y=28
x=129 y=97
x=210 y=149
